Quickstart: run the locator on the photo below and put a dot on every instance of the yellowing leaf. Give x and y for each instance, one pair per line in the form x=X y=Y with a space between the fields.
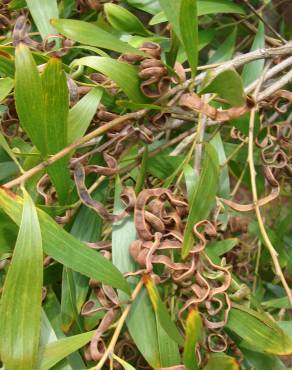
x=194 y=329
x=22 y=295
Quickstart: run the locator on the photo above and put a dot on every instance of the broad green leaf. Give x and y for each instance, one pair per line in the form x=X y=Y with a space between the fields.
x=125 y=364
x=203 y=196
x=206 y=7
x=6 y=85
x=258 y=330
x=253 y=70
x=64 y=248
x=123 y=20
x=54 y=352
x=56 y=109
x=82 y=113
x=194 y=329
x=69 y=312
x=222 y=362
x=228 y=85
x=123 y=74
x=42 y=12
x=22 y=294
x=90 y=34
x=168 y=348
x=225 y=50
x=16 y=4
x=188 y=22
x=160 y=309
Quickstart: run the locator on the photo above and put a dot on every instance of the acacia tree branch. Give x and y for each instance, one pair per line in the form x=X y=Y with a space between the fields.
x=234 y=63
x=275 y=86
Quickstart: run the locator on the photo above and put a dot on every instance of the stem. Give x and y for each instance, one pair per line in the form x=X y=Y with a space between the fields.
x=119 y=327
x=271 y=249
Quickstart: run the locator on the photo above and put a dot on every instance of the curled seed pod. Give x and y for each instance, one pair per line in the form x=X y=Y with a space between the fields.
x=152 y=49
x=130 y=58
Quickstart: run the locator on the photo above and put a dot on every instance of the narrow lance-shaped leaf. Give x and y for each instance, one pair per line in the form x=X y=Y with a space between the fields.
x=203 y=196
x=54 y=352
x=253 y=70
x=29 y=97
x=64 y=248
x=56 y=109
x=125 y=75
x=225 y=50
x=188 y=20
x=22 y=295
x=42 y=12
x=194 y=329
x=259 y=331
x=123 y=20
x=161 y=311
x=81 y=114
x=90 y=34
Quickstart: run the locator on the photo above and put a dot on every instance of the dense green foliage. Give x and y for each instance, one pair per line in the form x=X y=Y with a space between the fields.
x=145 y=172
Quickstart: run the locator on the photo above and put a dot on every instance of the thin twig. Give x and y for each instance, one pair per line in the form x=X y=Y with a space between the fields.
x=272 y=251
x=119 y=327
x=275 y=86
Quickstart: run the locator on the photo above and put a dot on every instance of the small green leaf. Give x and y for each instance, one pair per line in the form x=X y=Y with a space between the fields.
x=259 y=331
x=66 y=249
x=22 y=294
x=125 y=75
x=203 y=196
x=82 y=113
x=253 y=70
x=54 y=352
x=161 y=311
x=123 y=20
x=6 y=85
x=188 y=21
x=228 y=85
x=90 y=34
x=42 y=12
x=220 y=361
x=194 y=329
x=205 y=7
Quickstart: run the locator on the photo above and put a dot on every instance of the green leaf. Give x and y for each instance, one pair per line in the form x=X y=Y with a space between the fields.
x=161 y=311
x=258 y=330
x=5 y=146
x=188 y=21
x=149 y=6
x=253 y=70
x=6 y=65
x=123 y=20
x=54 y=352
x=56 y=109
x=222 y=362
x=172 y=11
x=228 y=85
x=168 y=348
x=277 y=303
x=203 y=196
x=22 y=294
x=66 y=249
x=225 y=50
x=6 y=85
x=43 y=111
x=82 y=113
x=90 y=34
x=215 y=249
x=42 y=12
x=124 y=74
x=262 y=361
x=194 y=329
x=205 y=7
